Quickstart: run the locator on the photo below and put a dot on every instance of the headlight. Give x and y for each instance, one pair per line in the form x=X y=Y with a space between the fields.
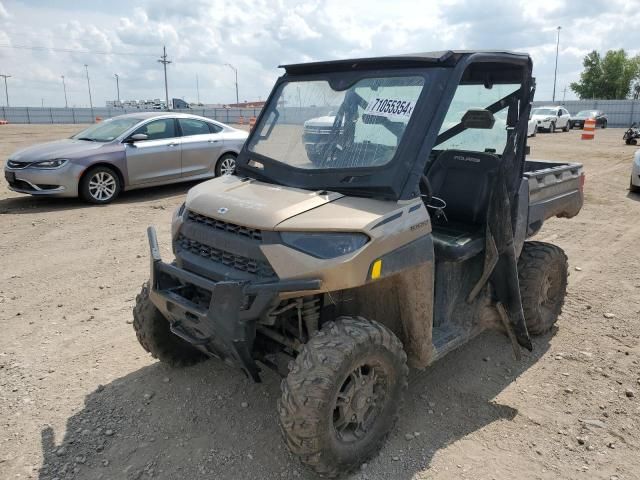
x=548 y=119
x=325 y=245
x=178 y=218
x=57 y=163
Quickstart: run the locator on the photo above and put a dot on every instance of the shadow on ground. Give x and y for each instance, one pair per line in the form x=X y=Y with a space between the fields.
x=32 y=204
x=193 y=423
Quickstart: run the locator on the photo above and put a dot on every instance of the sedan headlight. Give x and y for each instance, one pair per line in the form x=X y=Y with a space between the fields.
x=325 y=244
x=49 y=164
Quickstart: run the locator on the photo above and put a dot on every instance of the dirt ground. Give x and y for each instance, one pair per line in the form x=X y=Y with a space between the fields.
x=79 y=398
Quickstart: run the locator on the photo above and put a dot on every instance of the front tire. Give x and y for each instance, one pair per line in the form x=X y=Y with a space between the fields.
x=155 y=336
x=543 y=273
x=633 y=188
x=100 y=185
x=552 y=128
x=343 y=394
x=226 y=165
x=604 y=124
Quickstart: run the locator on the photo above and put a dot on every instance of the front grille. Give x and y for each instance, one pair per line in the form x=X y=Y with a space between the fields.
x=228 y=259
x=247 y=232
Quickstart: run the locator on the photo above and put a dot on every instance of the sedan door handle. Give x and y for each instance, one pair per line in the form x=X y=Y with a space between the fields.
x=173 y=144
x=212 y=141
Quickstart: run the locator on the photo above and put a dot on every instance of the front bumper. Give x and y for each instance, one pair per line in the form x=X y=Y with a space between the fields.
x=577 y=123
x=61 y=182
x=224 y=324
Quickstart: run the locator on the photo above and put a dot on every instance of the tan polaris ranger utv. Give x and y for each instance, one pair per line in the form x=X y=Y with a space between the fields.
x=377 y=220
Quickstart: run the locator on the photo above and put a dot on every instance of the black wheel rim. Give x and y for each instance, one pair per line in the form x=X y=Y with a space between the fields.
x=359 y=402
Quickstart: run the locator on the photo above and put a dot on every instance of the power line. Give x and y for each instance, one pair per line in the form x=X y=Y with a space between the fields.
x=73 y=50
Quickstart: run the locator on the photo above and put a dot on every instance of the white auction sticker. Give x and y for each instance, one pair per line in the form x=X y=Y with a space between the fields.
x=390 y=108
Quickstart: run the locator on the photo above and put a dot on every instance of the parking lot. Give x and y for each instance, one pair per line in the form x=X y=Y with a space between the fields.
x=79 y=398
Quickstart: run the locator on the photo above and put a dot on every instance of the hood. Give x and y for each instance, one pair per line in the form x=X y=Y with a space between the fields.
x=67 y=148
x=537 y=116
x=326 y=121
x=252 y=203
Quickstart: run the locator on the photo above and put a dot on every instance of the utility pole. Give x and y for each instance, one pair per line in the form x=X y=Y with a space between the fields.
x=197 y=89
x=6 y=91
x=564 y=94
x=555 y=73
x=236 y=72
x=117 y=86
x=163 y=60
x=86 y=67
x=64 y=87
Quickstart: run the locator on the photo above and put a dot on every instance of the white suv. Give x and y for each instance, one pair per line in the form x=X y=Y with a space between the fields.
x=551 y=118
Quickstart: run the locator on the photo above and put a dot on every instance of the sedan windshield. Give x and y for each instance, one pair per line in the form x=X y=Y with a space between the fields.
x=108 y=130
x=312 y=125
x=587 y=113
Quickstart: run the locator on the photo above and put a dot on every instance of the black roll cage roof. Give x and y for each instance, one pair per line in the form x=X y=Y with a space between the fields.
x=399 y=179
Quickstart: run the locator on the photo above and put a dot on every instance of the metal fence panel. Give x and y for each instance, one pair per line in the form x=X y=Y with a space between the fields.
x=620 y=113
x=45 y=115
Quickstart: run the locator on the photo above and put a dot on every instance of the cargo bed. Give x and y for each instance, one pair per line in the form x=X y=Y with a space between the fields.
x=555 y=190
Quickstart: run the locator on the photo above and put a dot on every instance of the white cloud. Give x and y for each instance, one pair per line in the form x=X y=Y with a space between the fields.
x=257 y=35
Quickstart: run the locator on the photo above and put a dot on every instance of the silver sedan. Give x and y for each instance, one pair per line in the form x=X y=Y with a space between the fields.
x=124 y=153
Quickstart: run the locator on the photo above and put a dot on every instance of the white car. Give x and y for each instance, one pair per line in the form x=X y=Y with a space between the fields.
x=634 y=184
x=551 y=118
x=532 y=127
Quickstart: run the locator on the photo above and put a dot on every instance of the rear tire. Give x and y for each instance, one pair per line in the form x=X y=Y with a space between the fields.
x=100 y=185
x=604 y=124
x=633 y=188
x=343 y=394
x=155 y=336
x=226 y=165
x=543 y=273
x=566 y=127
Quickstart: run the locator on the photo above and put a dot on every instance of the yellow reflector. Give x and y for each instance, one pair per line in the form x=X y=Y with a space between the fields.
x=376 y=269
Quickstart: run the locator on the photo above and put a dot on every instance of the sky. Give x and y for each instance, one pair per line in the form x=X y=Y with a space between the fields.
x=255 y=36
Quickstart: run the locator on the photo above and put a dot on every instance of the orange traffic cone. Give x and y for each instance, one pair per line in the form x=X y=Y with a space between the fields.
x=589 y=129
x=252 y=122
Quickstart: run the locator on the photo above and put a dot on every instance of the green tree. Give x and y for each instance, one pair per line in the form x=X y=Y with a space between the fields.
x=608 y=78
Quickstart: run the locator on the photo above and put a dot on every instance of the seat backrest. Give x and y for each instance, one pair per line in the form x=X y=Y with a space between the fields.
x=463 y=179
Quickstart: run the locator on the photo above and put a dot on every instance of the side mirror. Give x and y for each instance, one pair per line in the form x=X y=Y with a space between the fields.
x=479 y=118
x=136 y=138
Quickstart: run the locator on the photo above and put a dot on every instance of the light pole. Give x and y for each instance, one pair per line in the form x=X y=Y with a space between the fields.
x=197 y=89
x=555 y=73
x=6 y=91
x=64 y=87
x=235 y=70
x=117 y=86
x=86 y=67
x=163 y=60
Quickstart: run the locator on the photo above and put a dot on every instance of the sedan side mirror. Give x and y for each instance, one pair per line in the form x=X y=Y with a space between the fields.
x=137 y=137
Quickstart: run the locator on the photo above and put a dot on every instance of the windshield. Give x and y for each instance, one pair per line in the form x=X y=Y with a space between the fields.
x=477 y=140
x=108 y=130
x=543 y=111
x=312 y=125
x=586 y=113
